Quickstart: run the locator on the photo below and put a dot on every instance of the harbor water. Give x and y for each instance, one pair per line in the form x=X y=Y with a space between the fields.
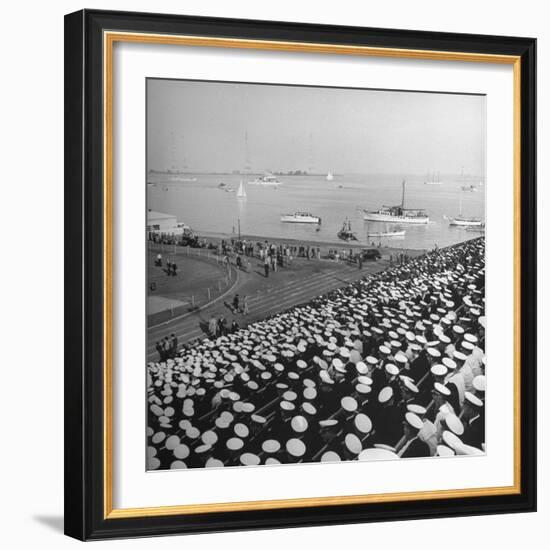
x=211 y=209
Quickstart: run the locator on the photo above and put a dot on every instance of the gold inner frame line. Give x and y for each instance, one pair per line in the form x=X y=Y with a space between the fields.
x=109 y=39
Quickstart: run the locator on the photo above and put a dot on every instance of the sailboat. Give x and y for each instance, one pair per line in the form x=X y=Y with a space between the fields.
x=330 y=177
x=432 y=180
x=464 y=221
x=241 y=193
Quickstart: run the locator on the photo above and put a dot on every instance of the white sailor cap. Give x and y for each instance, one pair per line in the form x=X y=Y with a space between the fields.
x=459 y=356
x=377 y=454
x=295 y=447
x=401 y=358
x=234 y=444
x=470 y=338
x=290 y=395
x=371 y=360
x=384 y=349
x=349 y=404
x=449 y=363
x=214 y=463
x=353 y=444
x=241 y=430
x=439 y=370
x=443 y=450
x=458 y=329
x=328 y=423
x=441 y=389
x=391 y=369
x=416 y=409
x=310 y=393
x=308 y=408
x=479 y=383
x=209 y=437
x=181 y=451
x=414 y=421
x=299 y=424
x=249 y=459
x=467 y=345
x=454 y=424
x=385 y=394
x=363 y=423
x=271 y=446
x=330 y=456
x=176 y=465
x=287 y=406
x=473 y=399
x=201 y=449
x=361 y=368
x=344 y=352
x=409 y=384
x=452 y=440
x=434 y=352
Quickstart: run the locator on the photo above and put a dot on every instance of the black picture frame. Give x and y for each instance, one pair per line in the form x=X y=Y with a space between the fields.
x=84 y=282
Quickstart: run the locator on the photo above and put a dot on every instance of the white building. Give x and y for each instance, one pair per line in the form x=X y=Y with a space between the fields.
x=159 y=223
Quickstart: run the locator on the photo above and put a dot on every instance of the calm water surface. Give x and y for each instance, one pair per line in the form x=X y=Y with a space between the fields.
x=208 y=209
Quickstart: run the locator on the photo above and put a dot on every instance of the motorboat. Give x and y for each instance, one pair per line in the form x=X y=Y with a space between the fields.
x=300 y=217
x=267 y=179
x=397 y=214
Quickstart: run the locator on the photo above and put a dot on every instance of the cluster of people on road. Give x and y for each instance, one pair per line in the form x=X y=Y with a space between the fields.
x=170 y=267
x=167 y=348
x=389 y=367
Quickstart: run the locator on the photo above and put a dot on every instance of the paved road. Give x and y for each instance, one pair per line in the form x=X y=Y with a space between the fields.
x=263 y=304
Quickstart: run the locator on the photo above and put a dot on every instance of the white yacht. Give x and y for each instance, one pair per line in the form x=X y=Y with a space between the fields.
x=397 y=214
x=330 y=176
x=267 y=179
x=300 y=217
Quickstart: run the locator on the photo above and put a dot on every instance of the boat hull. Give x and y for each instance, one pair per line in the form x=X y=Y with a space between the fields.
x=290 y=219
x=265 y=183
x=377 y=217
x=394 y=234
x=465 y=223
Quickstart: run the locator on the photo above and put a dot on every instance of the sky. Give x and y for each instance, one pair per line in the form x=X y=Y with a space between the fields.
x=203 y=126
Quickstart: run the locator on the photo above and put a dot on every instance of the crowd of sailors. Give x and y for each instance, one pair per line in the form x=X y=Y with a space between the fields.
x=389 y=367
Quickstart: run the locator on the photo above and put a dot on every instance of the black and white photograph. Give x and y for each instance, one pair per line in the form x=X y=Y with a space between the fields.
x=315 y=274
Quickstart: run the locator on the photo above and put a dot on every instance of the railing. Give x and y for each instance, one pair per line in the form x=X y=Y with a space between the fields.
x=201 y=297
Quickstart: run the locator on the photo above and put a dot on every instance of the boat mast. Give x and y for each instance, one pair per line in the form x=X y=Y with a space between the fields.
x=403 y=194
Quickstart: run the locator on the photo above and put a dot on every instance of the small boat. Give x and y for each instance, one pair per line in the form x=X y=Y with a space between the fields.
x=463 y=220
x=469 y=188
x=397 y=214
x=396 y=233
x=228 y=189
x=241 y=193
x=222 y=185
x=432 y=180
x=478 y=229
x=330 y=176
x=300 y=217
x=346 y=234
x=267 y=179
